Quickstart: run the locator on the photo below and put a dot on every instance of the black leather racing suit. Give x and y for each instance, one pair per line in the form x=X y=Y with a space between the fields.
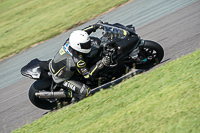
x=67 y=58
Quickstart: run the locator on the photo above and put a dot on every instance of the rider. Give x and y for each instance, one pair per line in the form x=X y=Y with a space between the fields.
x=71 y=56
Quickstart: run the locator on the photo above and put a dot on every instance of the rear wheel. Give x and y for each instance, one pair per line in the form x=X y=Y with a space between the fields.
x=47 y=104
x=150 y=55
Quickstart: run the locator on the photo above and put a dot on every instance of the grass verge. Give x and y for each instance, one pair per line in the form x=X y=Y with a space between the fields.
x=163 y=100
x=24 y=22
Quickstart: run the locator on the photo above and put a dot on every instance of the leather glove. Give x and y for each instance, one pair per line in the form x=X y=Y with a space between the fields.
x=98 y=25
x=106 y=61
x=95 y=27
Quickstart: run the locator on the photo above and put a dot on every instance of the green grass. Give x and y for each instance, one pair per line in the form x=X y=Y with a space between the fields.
x=26 y=22
x=165 y=100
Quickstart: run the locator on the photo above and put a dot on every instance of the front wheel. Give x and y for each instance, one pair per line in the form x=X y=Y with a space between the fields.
x=47 y=104
x=151 y=54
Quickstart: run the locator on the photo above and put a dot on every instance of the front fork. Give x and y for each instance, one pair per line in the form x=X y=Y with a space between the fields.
x=136 y=54
x=141 y=56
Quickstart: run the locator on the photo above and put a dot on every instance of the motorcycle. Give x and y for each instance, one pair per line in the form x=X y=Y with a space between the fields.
x=126 y=49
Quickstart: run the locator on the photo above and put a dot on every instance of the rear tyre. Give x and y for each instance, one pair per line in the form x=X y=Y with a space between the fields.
x=42 y=103
x=151 y=54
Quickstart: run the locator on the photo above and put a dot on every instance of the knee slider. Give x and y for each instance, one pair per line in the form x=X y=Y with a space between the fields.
x=85 y=90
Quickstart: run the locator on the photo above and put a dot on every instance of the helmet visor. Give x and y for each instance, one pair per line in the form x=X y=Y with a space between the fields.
x=86 y=45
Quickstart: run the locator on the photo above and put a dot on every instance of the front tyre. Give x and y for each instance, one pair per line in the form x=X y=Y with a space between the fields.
x=151 y=54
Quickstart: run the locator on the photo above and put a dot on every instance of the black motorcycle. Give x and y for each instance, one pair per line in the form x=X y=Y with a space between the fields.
x=126 y=49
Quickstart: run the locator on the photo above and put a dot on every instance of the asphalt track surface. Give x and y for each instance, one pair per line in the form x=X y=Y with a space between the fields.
x=173 y=24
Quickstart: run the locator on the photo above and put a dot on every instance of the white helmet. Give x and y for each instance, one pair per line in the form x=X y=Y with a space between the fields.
x=80 y=41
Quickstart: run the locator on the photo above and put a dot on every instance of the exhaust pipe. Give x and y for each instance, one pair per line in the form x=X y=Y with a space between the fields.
x=47 y=94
